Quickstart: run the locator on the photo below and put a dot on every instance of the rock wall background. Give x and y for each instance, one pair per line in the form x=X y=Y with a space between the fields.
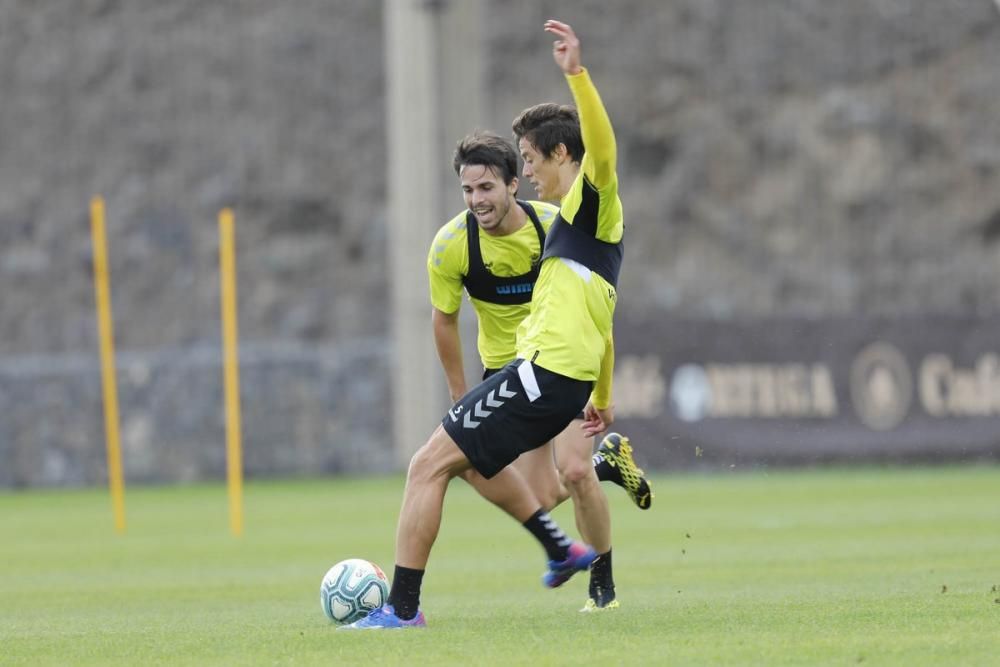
x=777 y=159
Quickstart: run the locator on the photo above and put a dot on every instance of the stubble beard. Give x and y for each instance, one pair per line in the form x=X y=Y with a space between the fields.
x=498 y=218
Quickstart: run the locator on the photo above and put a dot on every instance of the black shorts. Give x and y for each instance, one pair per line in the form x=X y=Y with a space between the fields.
x=514 y=410
x=490 y=371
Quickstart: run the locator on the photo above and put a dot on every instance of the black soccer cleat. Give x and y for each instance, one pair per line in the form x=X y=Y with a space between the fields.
x=616 y=450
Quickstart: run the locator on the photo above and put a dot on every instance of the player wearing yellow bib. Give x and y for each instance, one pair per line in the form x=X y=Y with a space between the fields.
x=492 y=251
x=570 y=155
x=526 y=403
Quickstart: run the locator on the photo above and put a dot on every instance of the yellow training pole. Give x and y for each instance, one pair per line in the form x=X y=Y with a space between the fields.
x=231 y=371
x=107 y=339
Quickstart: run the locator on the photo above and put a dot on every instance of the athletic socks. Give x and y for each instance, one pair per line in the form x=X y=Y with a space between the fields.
x=605 y=471
x=404 y=596
x=602 y=583
x=545 y=530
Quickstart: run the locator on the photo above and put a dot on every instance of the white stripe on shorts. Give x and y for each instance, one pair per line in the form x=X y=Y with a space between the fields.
x=528 y=381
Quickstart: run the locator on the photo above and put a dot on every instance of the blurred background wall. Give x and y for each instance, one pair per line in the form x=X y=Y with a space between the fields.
x=812 y=193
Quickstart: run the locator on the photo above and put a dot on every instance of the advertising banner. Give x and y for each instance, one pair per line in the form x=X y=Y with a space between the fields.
x=720 y=393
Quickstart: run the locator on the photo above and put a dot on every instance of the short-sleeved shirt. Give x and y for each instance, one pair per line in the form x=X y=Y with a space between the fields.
x=504 y=256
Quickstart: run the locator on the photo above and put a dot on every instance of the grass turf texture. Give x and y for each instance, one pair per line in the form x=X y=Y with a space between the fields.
x=808 y=567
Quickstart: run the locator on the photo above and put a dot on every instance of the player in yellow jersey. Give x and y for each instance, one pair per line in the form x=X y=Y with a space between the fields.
x=570 y=156
x=561 y=369
x=493 y=250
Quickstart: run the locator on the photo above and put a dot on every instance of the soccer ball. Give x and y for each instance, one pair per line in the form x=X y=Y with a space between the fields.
x=351 y=589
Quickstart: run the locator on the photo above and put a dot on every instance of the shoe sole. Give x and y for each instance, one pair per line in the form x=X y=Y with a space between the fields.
x=591 y=608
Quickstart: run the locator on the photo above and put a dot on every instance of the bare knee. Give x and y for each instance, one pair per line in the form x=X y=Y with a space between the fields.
x=576 y=472
x=573 y=453
x=421 y=466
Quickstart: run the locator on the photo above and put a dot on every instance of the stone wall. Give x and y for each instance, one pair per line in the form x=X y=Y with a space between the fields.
x=776 y=159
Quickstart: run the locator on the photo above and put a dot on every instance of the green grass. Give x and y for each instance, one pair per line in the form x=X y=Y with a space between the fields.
x=872 y=566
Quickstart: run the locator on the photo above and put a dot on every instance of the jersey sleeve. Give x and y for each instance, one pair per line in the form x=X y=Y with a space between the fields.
x=601 y=395
x=447 y=263
x=600 y=156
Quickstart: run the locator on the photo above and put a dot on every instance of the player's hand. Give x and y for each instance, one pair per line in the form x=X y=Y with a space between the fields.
x=597 y=421
x=566 y=49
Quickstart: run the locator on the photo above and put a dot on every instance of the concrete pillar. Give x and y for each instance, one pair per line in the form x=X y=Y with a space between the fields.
x=433 y=79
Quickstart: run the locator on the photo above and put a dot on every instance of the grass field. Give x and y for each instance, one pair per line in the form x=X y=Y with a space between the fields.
x=873 y=566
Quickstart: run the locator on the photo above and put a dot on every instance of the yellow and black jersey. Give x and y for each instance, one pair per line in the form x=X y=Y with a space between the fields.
x=569 y=328
x=497 y=272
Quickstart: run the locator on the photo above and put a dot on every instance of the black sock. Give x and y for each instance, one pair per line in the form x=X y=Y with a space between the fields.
x=602 y=583
x=606 y=472
x=545 y=530
x=404 y=596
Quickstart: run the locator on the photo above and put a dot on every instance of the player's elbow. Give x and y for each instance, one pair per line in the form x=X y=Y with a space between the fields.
x=442 y=319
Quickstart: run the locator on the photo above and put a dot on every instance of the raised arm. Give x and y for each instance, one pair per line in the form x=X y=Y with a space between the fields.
x=600 y=156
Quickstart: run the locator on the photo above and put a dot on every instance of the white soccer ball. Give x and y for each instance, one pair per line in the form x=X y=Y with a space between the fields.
x=351 y=589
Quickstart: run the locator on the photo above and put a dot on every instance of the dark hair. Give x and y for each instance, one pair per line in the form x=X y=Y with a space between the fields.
x=487 y=149
x=547 y=125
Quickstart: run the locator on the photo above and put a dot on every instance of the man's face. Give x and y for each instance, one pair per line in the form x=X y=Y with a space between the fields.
x=486 y=195
x=541 y=171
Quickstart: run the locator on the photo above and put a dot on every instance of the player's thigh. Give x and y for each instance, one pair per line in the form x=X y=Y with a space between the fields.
x=516 y=410
x=574 y=451
x=440 y=456
x=538 y=468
